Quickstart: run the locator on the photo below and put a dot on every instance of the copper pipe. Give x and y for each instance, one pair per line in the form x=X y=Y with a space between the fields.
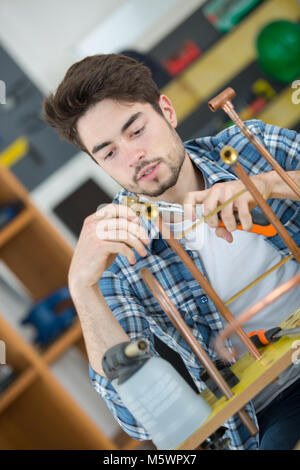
x=251 y=312
x=223 y=100
x=173 y=314
x=230 y=156
x=221 y=307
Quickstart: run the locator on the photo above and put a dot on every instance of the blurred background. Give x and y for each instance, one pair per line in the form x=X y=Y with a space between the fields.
x=195 y=49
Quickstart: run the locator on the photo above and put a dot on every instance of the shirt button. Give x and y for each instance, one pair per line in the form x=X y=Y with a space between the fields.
x=203 y=299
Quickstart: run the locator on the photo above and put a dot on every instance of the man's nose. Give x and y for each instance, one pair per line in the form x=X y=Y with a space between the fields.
x=134 y=157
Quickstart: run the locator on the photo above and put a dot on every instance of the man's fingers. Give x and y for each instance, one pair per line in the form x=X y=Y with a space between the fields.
x=228 y=218
x=210 y=204
x=114 y=211
x=135 y=228
x=244 y=215
x=124 y=236
x=123 y=249
x=191 y=199
x=221 y=232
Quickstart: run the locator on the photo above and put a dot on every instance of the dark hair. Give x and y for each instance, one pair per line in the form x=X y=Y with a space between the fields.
x=91 y=80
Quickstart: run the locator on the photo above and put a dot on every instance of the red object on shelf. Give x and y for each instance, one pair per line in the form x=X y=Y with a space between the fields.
x=258 y=104
x=212 y=18
x=186 y=54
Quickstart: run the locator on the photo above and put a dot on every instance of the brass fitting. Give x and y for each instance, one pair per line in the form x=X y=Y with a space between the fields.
x=148 y=209
x=137 y=348
x=229 y=155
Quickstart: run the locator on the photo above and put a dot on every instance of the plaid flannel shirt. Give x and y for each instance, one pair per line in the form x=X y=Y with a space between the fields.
x=139 y=313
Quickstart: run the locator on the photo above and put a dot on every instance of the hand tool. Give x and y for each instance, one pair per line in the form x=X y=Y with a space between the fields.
x=260 y=225
x=264 y=337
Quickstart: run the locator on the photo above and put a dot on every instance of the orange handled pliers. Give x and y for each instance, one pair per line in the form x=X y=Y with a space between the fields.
x=264 y=337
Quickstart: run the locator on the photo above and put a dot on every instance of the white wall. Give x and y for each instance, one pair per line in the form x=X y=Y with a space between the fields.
x=42 y=34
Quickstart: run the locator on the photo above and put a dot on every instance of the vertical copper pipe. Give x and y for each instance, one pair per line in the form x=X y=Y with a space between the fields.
x=169 y=308
x=223 y=100
x=225 y=312
x=252 y=311
x=230 y=156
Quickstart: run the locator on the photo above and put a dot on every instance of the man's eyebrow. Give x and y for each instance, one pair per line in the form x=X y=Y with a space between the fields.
x=127 y=124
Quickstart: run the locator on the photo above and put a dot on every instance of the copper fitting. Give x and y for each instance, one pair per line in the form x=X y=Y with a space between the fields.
x=148 y=209
x=137 y=348
x=223 y=100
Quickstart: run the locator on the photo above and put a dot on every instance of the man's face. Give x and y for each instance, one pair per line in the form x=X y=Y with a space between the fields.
x=128 y=140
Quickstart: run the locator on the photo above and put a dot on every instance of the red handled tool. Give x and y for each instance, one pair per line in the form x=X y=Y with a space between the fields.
x=264 y=337
x=260 y=225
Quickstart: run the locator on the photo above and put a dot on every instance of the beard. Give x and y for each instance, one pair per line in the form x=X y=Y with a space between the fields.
x=174 y=161
x=164 y=186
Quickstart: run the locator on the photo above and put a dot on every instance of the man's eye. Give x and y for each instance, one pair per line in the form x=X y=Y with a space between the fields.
x=109 y=155
x=139 y=131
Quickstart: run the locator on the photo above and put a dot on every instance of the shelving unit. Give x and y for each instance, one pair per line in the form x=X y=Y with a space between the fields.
x=36 y=411
x=225 y=59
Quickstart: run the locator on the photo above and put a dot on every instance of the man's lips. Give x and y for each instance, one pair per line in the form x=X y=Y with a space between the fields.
x=153 y=167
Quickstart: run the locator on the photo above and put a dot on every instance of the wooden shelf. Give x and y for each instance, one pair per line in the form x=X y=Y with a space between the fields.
x=66 y=340
x=46 y=417
x=16 y=388
x=36 y=411
x=16 y=225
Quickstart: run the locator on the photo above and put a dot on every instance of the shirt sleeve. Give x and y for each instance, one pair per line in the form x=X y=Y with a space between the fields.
x=283 y=144
x=131 y=315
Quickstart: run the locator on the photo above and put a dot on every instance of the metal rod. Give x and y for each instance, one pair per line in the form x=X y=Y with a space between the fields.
x=258 y=279
x=230 y=156
x=173 y=314
x=223 y=100
x=225 y=312
x=251 y=312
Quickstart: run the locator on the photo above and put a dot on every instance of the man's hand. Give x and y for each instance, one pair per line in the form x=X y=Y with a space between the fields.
x=114 y=229
x=220 y=193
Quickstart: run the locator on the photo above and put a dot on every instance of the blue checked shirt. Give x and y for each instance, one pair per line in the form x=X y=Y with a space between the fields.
x=139 y=313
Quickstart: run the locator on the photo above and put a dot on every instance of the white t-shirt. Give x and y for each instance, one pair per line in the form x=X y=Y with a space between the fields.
x=232 y=266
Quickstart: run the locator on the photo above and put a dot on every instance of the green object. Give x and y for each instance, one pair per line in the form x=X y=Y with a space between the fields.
x=225 y=14
x=278 y=47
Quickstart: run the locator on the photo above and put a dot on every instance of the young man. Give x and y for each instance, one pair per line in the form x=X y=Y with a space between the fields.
x=109 y=107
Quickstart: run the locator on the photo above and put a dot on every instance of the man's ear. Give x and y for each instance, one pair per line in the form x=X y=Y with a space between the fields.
x=168 y=110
